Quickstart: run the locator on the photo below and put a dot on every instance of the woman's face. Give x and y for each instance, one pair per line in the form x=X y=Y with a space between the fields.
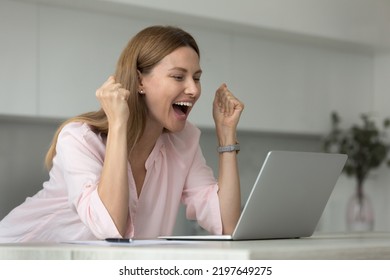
x=172 y=88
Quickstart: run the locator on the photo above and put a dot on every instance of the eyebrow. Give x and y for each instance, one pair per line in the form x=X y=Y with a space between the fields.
x=185 y=70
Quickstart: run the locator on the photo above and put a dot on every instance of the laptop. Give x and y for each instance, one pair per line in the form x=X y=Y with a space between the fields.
x=287 y=199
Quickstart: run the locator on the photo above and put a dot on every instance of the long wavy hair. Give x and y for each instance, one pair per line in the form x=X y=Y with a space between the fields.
x=142 y=53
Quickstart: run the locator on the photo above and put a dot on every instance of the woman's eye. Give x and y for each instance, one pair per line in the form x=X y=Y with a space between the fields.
x=181 y=78
x=178 y=78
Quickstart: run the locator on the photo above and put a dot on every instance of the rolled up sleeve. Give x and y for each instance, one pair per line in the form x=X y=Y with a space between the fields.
x=200 y=195
x=80 y=155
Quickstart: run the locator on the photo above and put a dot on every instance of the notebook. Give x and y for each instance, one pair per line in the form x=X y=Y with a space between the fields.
x=287 y=198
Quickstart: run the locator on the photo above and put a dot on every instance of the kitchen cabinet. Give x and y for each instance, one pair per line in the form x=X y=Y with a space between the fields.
x=289 y=83
x=292 y=86
x=18 y=58
x=78 y=51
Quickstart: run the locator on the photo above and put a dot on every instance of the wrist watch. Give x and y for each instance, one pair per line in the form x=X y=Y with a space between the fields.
x=229 y=148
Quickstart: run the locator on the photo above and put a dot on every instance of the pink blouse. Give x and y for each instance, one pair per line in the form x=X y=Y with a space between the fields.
x=69 y=208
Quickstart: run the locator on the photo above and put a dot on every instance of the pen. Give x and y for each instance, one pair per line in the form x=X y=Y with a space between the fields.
x=119 y=240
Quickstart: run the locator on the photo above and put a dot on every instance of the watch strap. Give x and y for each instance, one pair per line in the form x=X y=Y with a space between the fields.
x=228 y=148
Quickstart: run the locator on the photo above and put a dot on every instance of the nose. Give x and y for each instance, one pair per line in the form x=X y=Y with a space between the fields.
x=193 y=88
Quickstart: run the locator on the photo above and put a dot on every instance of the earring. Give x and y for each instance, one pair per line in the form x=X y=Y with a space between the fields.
x=141 y=91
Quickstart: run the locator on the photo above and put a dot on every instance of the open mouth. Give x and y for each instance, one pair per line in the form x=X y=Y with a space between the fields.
x=182 y=108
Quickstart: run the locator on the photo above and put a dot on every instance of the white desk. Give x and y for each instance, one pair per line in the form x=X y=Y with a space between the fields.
x=331 y=246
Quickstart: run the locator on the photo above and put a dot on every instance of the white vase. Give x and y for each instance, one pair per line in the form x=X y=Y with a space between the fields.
x=360 y=212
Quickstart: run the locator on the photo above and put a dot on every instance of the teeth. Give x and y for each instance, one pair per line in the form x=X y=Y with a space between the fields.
x=188 y=104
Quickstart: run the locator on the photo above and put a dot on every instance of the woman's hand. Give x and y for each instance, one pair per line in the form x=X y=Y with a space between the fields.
x=113 y=100
x=226 y=113
x=113 y=187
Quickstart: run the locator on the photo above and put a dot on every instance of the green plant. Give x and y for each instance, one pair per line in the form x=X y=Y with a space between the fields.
x=366 y=146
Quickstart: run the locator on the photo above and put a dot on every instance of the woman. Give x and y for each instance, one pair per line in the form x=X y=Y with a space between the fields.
x=122 y=171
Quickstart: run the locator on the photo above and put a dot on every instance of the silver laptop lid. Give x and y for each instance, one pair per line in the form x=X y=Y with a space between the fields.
x=289 y=195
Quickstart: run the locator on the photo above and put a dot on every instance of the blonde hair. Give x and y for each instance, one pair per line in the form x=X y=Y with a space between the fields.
x=142 y=53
